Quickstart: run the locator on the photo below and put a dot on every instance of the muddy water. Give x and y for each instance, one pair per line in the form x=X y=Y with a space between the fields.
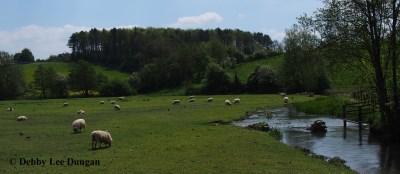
x=362 y=152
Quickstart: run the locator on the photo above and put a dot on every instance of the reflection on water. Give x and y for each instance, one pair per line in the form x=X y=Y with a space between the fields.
x=362 y=152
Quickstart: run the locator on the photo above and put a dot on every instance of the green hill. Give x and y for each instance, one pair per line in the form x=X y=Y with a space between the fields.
x=243 y=70
x=63 y=68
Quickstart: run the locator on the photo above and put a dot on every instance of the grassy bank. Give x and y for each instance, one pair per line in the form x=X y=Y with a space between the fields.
x=323 y=105
x=150 y=135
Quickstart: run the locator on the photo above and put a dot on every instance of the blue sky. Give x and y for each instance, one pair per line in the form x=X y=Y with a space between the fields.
x=44 y=26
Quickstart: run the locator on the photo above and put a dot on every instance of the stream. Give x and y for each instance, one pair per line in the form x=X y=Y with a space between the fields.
x=362 y=152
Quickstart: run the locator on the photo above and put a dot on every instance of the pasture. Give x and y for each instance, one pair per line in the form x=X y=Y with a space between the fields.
x=150 y=135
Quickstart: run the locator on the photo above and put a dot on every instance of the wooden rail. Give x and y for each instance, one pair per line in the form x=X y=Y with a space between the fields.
x=359 y=109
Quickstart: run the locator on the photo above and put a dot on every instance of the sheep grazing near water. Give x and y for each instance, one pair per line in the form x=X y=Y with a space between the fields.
x=10 y=109
x=117 y=107
x=176 y=102
x=236 y=101
x=80 y=112
x=210 y=99
x=286 y=100
x=101 y=102
x=113 y=102
x=22 y=118
x=227 y=102
x=65 y=104
x=100 y=136
x=78 y=124
x=121 y=98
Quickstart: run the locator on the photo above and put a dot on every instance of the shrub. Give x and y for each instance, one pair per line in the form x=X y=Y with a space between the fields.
x=263 y=80
x=116 y=88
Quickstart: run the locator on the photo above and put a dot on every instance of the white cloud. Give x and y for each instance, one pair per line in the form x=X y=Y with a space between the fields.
x=41 y=41
x=193 y=21
x=275 y=34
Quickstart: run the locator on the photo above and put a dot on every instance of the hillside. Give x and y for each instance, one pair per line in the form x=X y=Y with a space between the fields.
x=243 y=70
x=63 y=68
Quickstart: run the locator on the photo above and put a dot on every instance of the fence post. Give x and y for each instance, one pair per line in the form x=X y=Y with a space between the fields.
x=344 y=117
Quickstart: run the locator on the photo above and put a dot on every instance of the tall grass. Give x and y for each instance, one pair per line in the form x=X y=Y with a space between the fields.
x=323 y=105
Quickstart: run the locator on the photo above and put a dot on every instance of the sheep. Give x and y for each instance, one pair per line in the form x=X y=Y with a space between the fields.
x=80 y=112
x=176 y=102
x=78 y=124
x=100 y=136
x=10 y=109
x=227 y=102
x=286 y=100
x=191 y=97
x=210 y=99
x=191 y=100
x=117 y=107
x=283 y=94
x=101 y=102
x=65 y=104
x=113 y=102
x=121 y=98
x=22 y=118
x=236 y=101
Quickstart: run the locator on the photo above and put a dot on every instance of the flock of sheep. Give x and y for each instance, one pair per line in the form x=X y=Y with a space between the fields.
x=100 y=136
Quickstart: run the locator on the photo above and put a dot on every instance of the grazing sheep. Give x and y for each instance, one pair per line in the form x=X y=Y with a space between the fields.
x=78 y=125
x=100 y=136
x=80 y=112
x=113 y=102
x=236 y=101
x=283 y=94
x=121 y=98
x=191 y=100
x=286 y=100
x=210 y=99
x=101 y=102
x=191 y=97
x=117 y=107
x=65 y=104
x=227 y=102
x=22 y=118
x=10 y=109
x=176 y=102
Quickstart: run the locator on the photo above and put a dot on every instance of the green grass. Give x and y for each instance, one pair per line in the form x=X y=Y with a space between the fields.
x=245 y=69
x=150 y=135
x=63 y=68
x=331 y=105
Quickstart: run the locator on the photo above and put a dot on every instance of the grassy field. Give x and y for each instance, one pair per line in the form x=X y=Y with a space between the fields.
x=245 y=69
x=150 y=135
x=63 y=68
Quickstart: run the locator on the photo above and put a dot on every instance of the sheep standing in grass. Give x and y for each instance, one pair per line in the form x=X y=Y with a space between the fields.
x=100 y=136
x=283 y=94
x=10 y=109
x=286 y=100
x=176 y=102
x=65 y=104
x=236 y=101
x=227 y=102
x=22 y=118
x=117 y=107
x=78 y=125
x=191 y=100
x=191 y=97
x=209 y=100
x=80 y=112
x=101 y=102
x=113 y=102
x=121 y=98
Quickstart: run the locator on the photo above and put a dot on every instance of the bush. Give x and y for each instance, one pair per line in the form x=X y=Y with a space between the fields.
x=263 y=80
x=216 y=81
x=116 y=88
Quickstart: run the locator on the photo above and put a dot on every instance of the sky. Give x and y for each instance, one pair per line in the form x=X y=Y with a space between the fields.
x=44 y=26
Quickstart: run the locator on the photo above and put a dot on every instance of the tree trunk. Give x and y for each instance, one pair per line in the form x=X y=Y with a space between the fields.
x=393 y=53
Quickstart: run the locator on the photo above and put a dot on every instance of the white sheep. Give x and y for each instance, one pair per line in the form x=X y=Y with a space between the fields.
x=236 y=101
x=100 y=136
x=117 y=107
x=80 y=112
x=65 y=104
x=283 y=94
x=10 y=109
x=176 y=102
x=121 y=98
x=113 y=102
x=210 y=99
x=191 y=97
x=286 y=100
x=101 y=102
x=191 y=100
x=227 y=102
x=78 y=125
x=22 y=118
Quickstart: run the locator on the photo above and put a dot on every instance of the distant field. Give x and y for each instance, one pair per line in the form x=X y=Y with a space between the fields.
x=63 y=68
x=245 y=69
x=150 y=135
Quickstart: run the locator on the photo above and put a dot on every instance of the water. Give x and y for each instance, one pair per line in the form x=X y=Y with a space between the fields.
x=362 y=152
